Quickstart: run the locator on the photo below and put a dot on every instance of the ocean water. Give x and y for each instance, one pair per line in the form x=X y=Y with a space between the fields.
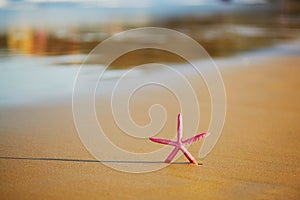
x=26 y=80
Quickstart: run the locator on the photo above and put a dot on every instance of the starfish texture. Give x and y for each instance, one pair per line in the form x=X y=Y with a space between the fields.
x=180 y=144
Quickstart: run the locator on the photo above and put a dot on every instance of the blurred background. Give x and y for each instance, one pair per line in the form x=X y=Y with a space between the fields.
x=223 y=27
x=61 y=33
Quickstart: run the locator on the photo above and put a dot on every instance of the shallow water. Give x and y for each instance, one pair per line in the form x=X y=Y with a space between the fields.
x=38 y=80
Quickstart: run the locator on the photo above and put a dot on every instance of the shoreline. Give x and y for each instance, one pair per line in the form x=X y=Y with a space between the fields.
x=59 y=95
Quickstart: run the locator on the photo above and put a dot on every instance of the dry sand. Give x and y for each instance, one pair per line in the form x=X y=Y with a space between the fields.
x=257 y=156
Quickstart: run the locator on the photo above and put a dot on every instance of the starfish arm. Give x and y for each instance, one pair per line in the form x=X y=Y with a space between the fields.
x=162 y=141
x=195 y=138
x=172 y=155
x=188 y=155
x=179 y=127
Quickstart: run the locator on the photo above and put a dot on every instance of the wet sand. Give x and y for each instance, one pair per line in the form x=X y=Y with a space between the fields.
x=257 y=156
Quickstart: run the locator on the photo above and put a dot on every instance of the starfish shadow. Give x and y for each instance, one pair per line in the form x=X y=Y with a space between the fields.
x=87 y=161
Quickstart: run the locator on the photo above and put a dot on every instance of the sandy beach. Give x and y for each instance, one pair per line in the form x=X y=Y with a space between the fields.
x=257 y=156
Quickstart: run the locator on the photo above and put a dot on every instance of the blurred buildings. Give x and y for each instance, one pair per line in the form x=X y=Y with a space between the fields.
x=39 y=27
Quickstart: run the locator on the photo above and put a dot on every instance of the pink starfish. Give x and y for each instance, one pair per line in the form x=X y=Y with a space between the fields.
x=179 y=144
